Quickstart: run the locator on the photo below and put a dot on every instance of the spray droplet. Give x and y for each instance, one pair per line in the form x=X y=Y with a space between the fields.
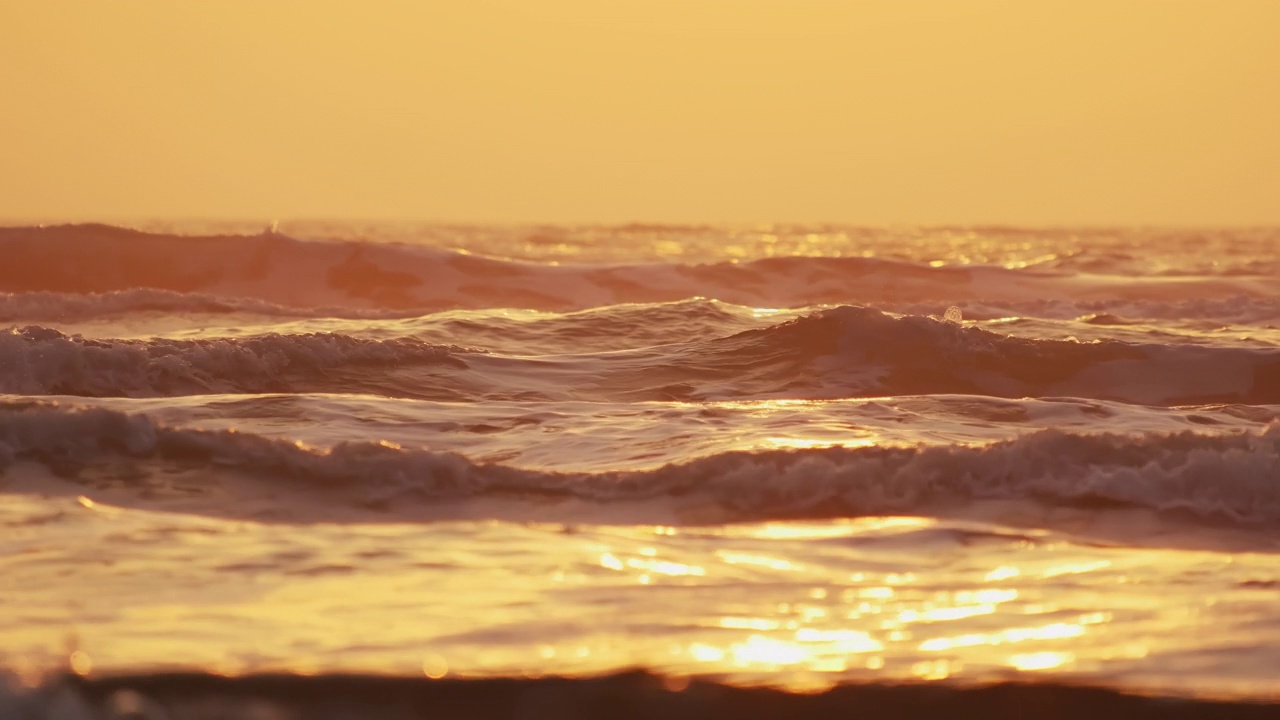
x=953 y=314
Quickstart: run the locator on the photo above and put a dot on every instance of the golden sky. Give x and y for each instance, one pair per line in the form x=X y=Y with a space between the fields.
x=861 y=111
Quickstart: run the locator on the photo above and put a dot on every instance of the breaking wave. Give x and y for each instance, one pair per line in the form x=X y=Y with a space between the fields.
x=841 y=352
x=40 y=361
x=1228 y=479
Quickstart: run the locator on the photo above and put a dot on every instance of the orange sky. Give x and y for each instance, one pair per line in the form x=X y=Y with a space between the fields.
x=862 y=111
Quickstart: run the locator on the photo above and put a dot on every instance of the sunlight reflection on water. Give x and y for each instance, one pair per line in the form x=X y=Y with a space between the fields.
x=871 y=598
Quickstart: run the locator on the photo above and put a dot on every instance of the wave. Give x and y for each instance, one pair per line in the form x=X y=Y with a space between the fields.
x=72 y=307
x=283 y=271
x=41 y=361
x=609 y=327
x=1222 y=479
x=1198 y=313
x=161 y=313
x=862 y=352
x=842 y=352
x=1237 y=309
x=595 y=436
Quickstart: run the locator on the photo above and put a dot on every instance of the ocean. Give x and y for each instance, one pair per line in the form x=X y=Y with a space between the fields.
x=811 y=458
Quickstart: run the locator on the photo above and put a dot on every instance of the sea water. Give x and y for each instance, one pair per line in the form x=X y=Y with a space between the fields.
x=784 y=455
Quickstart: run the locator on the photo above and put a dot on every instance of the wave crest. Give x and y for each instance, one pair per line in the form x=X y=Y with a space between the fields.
x=40 y=360
x=1222 y=478
x=842 y=352
x=285 y=271
x=861 y=352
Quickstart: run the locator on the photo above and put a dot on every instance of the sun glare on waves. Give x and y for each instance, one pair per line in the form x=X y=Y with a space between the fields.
x=822 y=609
x=851 y=622
x=796 y=443
x=1040 y=661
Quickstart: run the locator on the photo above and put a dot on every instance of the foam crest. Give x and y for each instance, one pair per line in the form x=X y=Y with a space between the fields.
x=1228 y=479
x=843 y=352
x=43 y=361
